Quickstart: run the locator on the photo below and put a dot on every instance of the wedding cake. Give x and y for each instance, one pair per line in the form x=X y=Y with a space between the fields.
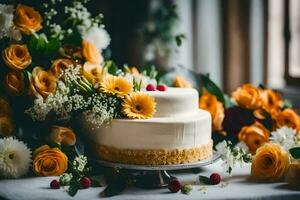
x=179 y=132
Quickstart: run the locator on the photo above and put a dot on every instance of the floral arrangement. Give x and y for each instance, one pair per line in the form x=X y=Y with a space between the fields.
x=52 y=72
x=255 y=125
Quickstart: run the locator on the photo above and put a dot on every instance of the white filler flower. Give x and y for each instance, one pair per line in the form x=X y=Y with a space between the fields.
x=98 y=36
x=7 y=28
x=15 y=158
x=285 y=137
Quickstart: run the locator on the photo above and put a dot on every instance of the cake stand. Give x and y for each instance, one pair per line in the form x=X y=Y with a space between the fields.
x=148 y=176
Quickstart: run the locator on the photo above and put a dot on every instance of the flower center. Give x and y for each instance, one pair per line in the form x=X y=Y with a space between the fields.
x=138 y=107
x=11 y=156
x=268 y=162
x=117 y=88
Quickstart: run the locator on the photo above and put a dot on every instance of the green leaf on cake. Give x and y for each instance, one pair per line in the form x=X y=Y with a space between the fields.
x=295 y=152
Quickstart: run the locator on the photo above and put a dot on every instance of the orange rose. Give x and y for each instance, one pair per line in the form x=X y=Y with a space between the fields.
x=254 y=136
x=6 y=127
x=181 y=82
x=210 y=103
x=62 y=135
x=49 y=162
x=27 y=20
x=247 y=96
x=91 y=53
x=14 y=83
x=271 y=101
x=270 y=163
x=93 y=72
x=5 y=110
x=59 y=65
x=16 y=56
x=42 y=82
x=289 y=118
x=293 y=175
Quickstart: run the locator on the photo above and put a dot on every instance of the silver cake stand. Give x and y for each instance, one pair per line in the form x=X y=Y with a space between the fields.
x=148 y=176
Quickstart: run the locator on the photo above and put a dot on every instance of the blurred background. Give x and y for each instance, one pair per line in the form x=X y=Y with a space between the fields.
x=255 y=41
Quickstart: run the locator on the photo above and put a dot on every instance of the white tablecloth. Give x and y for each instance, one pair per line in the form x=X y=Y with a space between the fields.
x=37 y=188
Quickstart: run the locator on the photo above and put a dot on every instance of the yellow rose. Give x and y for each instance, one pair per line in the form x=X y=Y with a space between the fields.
x=289 y=118
x=27 y=20
x=6 y=127
x=16 y=56
x=293 y=175
x=14 y=83
x=247 y=96
x=210 y=103
x=270 y=163
x=91 y=53
x=5 y=109
x=42 y=82
x=59 y=65
x=180 y=82
x=93 y=72
x=49 y=162
x=254 y=136
x=62 y=135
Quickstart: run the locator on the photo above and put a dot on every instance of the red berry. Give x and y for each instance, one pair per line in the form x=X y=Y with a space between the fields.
x=86 y=182
x=161 y=87
x=174 y=185
x=54 y=184
x=215 y=178
x=150 y=87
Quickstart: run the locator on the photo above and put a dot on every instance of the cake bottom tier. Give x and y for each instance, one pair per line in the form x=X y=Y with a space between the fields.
x=154 y=156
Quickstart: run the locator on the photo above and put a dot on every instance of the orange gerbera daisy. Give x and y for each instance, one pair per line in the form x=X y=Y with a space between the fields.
x=138 y=105
x=116 y=85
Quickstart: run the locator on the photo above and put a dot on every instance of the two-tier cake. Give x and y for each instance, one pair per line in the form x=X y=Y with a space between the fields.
x=179 y=132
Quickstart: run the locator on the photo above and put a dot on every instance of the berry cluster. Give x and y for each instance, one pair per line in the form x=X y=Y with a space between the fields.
x=85 y=183
x=151 y=87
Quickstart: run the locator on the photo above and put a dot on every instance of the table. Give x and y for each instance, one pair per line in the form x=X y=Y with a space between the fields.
x=239 y=187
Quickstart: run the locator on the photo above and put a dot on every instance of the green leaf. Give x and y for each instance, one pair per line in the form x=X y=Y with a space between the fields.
x=150 y=71
x=73 y=189
x=287 y=104
x=205 y=180
x=295 y=152
x=228 y=103
x=112 y=68
x=212 y=88
x=178 y=39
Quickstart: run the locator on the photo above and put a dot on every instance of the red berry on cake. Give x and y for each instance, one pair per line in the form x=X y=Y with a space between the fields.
x=215 y=178
x=174 y=186
x=54 y=184
x=161 y=87
x=86 y=182
x=150 y=87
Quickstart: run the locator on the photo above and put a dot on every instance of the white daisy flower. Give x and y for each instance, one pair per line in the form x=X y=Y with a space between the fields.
x=15 y=158
x=285 y=137
x=98 y=36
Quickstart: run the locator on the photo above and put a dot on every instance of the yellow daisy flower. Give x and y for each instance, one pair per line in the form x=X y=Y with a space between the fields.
x=138 y=105
x=116 y=85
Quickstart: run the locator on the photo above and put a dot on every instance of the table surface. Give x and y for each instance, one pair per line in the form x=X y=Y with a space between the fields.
x=238 y=187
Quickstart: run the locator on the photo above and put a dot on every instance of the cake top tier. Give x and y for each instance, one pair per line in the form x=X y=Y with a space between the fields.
x=175 y=101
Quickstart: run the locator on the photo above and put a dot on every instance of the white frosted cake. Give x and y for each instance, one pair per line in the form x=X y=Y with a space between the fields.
x=178 y=133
